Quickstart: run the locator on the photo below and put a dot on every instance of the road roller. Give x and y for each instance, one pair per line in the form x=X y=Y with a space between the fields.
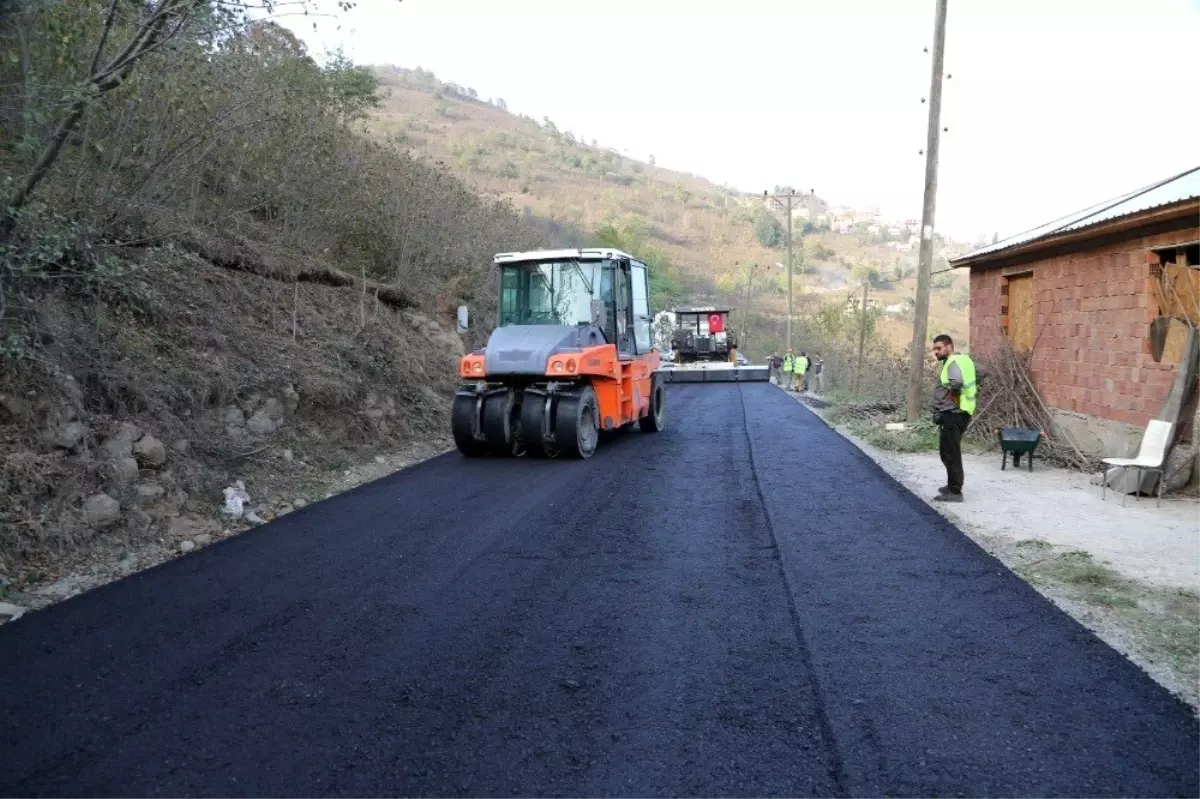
x=572 y=356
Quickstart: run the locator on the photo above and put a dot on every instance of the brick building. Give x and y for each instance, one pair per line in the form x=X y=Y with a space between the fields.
x=1104 y=299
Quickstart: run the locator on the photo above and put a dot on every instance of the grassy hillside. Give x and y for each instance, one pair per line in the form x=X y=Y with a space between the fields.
x=697 y=230
x=214 y=276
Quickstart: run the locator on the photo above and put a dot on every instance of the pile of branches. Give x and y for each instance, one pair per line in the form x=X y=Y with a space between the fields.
x=1008 y=398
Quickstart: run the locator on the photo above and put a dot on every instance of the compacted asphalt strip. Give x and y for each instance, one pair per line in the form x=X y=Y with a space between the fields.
x=741 y=605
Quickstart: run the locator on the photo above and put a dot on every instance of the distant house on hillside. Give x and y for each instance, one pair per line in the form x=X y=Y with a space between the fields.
x=1107 y=300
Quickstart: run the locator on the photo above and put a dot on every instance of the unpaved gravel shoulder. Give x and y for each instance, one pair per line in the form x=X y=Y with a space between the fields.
x=1129 y=574
x=113 y=557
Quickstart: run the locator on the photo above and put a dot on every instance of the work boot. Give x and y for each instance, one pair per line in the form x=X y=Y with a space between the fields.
x=949 y=497
x=944 y=490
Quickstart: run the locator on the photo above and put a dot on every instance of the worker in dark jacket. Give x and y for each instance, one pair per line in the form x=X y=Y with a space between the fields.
x=953 y=404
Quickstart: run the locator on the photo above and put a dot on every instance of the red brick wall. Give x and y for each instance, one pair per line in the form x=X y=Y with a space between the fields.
x=1092 y=311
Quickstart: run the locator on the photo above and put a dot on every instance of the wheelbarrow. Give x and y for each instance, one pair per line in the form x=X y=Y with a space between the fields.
x=1018 y=441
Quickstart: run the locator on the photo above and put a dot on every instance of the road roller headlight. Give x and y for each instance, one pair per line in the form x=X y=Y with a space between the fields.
x=558 y=366
x=477 y=368
x=571 y=366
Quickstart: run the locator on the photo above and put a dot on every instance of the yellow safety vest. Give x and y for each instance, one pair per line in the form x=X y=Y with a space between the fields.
x=802 y=365
x=788 y=363
x=966 y=399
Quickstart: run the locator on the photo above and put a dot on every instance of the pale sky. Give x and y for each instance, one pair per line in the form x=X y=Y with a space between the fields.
x=1053 y=105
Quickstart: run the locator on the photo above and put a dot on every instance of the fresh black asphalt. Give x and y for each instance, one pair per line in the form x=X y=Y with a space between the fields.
x=742 y=605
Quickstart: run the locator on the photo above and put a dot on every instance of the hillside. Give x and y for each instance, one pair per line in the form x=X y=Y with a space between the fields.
x=570 y=188
x=215 y=278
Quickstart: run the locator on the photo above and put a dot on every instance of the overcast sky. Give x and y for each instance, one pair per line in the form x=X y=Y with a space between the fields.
x=1053 y=105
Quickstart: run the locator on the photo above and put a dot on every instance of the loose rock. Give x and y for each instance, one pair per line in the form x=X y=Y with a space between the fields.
x=149 y=451
x=187 y=546
x=66 y=588
x=287 y=455
x=182 y=446
x=204 y=539
x=101 y=511
x=120 y=444
x=10 y=611
x=148 y=493
x=267 y=419
x=121 y=473
x=69 y=436
x=298 y=503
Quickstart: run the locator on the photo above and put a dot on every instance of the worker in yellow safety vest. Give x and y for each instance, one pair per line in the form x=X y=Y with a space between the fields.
x=802 y=372
x=953 y=405
x=789 y=367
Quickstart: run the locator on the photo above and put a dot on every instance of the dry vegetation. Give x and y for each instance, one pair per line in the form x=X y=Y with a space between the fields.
x=695 y=232
x=208 y=273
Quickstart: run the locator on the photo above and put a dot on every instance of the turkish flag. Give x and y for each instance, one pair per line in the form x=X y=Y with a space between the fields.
x=716 y=324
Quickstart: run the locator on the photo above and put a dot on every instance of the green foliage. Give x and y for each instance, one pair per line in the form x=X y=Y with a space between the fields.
x=867 y=272
x=767 y=228
x=666 y=287
x=943 y=281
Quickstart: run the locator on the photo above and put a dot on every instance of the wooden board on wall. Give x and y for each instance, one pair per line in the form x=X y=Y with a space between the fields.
x=1175 y=346
x=1177 y=290
x=1020 y=312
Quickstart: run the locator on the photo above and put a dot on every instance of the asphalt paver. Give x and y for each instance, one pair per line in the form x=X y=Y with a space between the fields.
x=741 y=605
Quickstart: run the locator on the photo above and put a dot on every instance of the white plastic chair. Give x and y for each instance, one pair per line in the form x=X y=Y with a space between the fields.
x=1151 y=457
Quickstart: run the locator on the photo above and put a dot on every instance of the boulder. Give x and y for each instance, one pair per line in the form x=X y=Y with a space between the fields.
x=267 y=419
x=121 y=472
x=148 y=493
x=69 y=436
x=1179 y=468
x=101 y=511
x=120 y=444
x=149 y=451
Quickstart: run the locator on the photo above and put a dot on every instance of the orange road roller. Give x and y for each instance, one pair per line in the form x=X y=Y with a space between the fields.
x=572 y=355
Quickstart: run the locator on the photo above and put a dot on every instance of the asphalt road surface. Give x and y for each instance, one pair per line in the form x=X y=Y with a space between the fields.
x=741 y=605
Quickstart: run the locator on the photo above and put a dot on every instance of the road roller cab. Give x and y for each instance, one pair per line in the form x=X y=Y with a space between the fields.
x=572 y=355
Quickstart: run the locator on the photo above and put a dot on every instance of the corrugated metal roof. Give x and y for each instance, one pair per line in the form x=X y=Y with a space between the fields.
x=1184 y=186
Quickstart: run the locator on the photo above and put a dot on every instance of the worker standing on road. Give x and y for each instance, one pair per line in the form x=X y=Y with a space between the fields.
x=776 y=367
x=953 y=405
x=818 y=371
x=802 y=372
x=789 y=368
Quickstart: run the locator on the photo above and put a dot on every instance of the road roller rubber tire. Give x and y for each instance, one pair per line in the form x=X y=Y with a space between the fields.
x=535 y=425
x=655 y=420
x=577 y=424
x=502 y=424
x=463 y=424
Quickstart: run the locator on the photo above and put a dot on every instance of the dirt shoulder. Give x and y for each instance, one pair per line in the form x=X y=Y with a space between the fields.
x=1130 y=573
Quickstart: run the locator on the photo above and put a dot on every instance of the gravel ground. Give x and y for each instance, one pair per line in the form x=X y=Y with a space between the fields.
x=742 y=605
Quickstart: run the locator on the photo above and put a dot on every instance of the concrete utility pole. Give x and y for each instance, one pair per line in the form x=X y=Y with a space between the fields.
x=862 y=336
x=925 y=259
x=786 y=201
